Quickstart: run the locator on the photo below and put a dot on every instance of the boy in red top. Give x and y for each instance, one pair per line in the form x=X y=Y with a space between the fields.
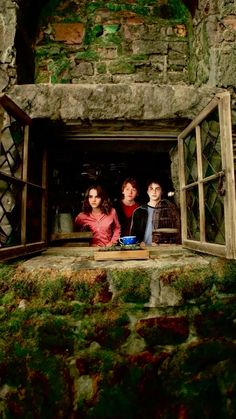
x=127 y=205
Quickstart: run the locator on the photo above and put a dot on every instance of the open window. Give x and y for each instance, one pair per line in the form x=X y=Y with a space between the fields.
x=207 y=185
x=22 y=184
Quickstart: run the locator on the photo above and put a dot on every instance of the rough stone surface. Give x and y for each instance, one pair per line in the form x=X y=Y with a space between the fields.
x=92 y=357
x=110 y=101
x=71 y=33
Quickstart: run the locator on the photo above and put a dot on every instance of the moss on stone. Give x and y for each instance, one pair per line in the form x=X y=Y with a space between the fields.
x=226 y=278
x=92 y=33
x=175 y=10
x=139 y=57
x=111 y=28
x=101 y=68
x=111 y=39
x=88 y=55
x=131 y=285
x=121 y=67
x=57 y=68
x=108 y=328
x=192 y=282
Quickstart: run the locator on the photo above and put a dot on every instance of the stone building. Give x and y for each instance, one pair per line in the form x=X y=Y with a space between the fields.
x=98 y=90
x=108 y=87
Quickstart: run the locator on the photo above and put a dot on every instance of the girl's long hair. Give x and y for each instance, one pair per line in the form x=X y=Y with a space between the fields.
x=105 y=205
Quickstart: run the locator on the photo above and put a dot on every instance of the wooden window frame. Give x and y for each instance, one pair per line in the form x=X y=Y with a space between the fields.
x=228 y=250
x=25 y=248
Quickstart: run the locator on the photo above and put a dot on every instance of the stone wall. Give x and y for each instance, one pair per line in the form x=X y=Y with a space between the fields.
x=104 y=42
x=150 y=341
x=118 y=46
x=8 y=21
x=213 y=48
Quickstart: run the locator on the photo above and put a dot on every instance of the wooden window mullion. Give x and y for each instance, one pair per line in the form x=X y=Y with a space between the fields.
x=200 y=186
x=182 y=182
x=228 y=167
x=25 y=187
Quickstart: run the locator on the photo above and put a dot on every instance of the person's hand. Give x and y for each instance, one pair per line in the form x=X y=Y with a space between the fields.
x=142 y=245
x=154 y=244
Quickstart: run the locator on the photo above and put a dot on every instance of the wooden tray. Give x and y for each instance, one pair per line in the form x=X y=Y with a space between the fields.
x=121 y=255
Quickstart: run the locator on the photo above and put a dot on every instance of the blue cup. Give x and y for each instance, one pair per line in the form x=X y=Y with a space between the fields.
x=127 y=240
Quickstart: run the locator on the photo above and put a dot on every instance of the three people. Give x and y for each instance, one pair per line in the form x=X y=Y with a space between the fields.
x=152 y=223
x=98 y=215
x=127 y=205
x=157 y=221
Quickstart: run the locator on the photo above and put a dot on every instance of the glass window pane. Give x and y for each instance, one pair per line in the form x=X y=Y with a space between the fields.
x=190 y=158
x=193 y=220
x=214 y=213
x=11 y=149
x=10 y=214
x=211 y=148
x=34 y=215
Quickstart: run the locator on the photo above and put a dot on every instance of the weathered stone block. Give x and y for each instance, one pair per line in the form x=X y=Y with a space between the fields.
x=149 y=47
x=163 y=330
x=121 y=67
x=71 y=33
x=107 y=53
x=230 y=21
x=83 y=68
x=135 y=21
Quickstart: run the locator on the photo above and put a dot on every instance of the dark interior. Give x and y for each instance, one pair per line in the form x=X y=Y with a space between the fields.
x=75 y=165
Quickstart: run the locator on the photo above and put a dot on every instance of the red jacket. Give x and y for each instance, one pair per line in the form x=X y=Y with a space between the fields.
x=105 y=227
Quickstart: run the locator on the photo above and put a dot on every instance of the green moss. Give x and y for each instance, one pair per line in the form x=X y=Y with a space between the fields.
x=6 y=272
x=72 y=19
x=108 y=328
x=87 y=55
x=101 y=68
x=226 y=281
x=92 y=32
x=49 y=50
x=121 y=67
x=52 y=289
x=42 y=76
x=174 y=10
x=139 y=57
x=8 y=298
x=192 y=283
x=140 y=7
x=132 y=285
x=91 y=7
x=57 y=68
x=111 y=28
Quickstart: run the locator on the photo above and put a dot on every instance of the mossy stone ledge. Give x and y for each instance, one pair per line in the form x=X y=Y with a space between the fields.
x=148 y=339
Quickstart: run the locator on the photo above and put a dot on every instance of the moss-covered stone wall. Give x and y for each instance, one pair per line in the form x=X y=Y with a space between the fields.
x=213 y=46
x=112 y=42
x=112 y=343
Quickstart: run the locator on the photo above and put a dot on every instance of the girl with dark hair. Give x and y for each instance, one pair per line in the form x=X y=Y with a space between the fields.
x=99 y=216
x=127 y=205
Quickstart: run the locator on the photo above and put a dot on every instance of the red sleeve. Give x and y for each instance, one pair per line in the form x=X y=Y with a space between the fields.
x=116 y=228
